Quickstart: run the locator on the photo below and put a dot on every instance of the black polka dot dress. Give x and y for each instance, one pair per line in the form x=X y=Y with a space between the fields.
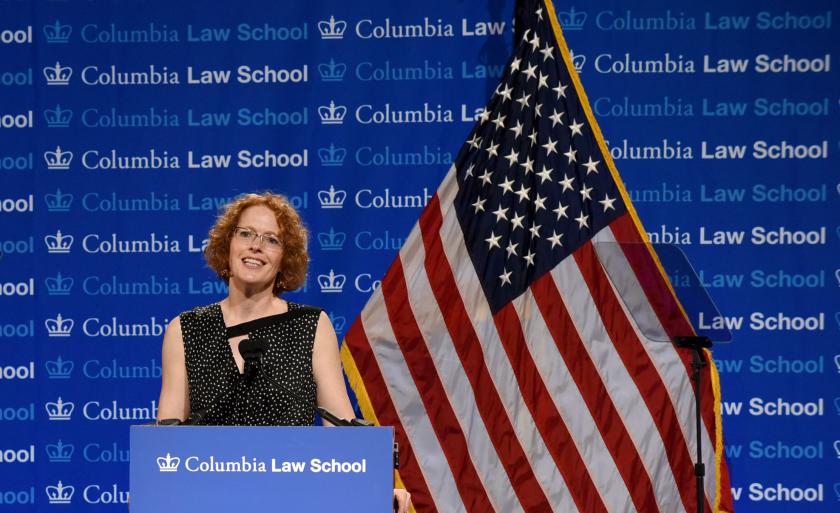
x=220 y=395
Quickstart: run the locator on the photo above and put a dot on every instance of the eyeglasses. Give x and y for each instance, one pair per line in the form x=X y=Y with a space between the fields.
x=270 y=240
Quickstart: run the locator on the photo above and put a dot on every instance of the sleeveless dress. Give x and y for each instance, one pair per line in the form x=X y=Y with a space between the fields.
x=220 y=395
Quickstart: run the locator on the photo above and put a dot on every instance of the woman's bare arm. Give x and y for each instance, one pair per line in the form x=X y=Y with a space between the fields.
x=174 y=402
x=326 y=366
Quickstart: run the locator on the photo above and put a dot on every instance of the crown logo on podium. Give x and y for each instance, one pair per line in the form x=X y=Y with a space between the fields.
x=59 y=285
x=58 y=159
x=571 y=19
x=58 y=202
x=58 y=117
x=331 y=283
x=58 y=75
x=332 y=71
x=332 y=198
x=338 y=322
x=332 y=240
x=169 y=463
x=332 y=156
x=59 y=410
x=577 y=60
x=59 y=368
x=332 y=28
x=57 y=33
x=59 y=327
x=58 y=243
x=332 y=114
x=59 y=494
x=59 y=452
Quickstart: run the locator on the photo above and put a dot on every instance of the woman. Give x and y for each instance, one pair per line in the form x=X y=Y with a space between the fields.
x=258 y=246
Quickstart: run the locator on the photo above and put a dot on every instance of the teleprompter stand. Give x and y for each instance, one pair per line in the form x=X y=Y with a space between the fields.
x=698 y=361
x=695 y=306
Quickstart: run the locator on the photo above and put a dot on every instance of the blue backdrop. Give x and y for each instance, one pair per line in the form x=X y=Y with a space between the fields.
x=125 y=125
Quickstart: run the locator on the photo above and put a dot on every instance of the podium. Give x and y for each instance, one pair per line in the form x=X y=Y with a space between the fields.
x=229 y=469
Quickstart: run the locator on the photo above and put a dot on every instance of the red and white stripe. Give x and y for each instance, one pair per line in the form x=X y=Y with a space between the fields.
x=556 y=403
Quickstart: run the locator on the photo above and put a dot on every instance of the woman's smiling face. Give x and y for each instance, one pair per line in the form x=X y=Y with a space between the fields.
x=256 y=260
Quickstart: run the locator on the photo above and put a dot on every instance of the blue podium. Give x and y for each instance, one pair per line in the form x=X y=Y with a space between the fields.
x=250 y=469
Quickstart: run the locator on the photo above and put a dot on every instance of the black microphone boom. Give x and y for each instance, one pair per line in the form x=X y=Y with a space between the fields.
x=335 y=420
x=252 y=350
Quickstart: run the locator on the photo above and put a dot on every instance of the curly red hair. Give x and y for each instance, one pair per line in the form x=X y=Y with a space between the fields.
x=293 y=236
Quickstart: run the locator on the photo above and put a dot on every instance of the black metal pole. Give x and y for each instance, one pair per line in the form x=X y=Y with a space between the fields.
x=699 y=467
x=696 y=344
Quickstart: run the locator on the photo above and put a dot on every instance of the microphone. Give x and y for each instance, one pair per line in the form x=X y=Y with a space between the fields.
x=252 y=348
x=252 y=352
x=338 y=421
x=168 y=422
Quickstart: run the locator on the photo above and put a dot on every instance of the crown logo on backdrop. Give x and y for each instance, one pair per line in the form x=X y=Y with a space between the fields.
x=338 y=322
x=59 y=410
x=332 y=28
x=58 y=75
x=58 y=159
x=57 y=33
x=58 y=243
x=58 y=202
x=332 y=114
x=571 y=19
x=58 y=117
x=169 y=463
x=332 y=156
x=332 y=198
x=59 y=285
x=331 y=283
x=577 y=60
x=332 y=240
x=332 y=71
x=59 y=452
x=59 y=494
x=59 y=368
x=59 y=327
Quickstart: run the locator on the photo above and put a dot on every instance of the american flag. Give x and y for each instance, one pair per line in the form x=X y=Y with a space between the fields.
x=498 y=346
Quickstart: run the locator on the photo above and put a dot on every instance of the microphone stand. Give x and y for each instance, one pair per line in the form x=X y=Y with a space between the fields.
x=697 y=344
